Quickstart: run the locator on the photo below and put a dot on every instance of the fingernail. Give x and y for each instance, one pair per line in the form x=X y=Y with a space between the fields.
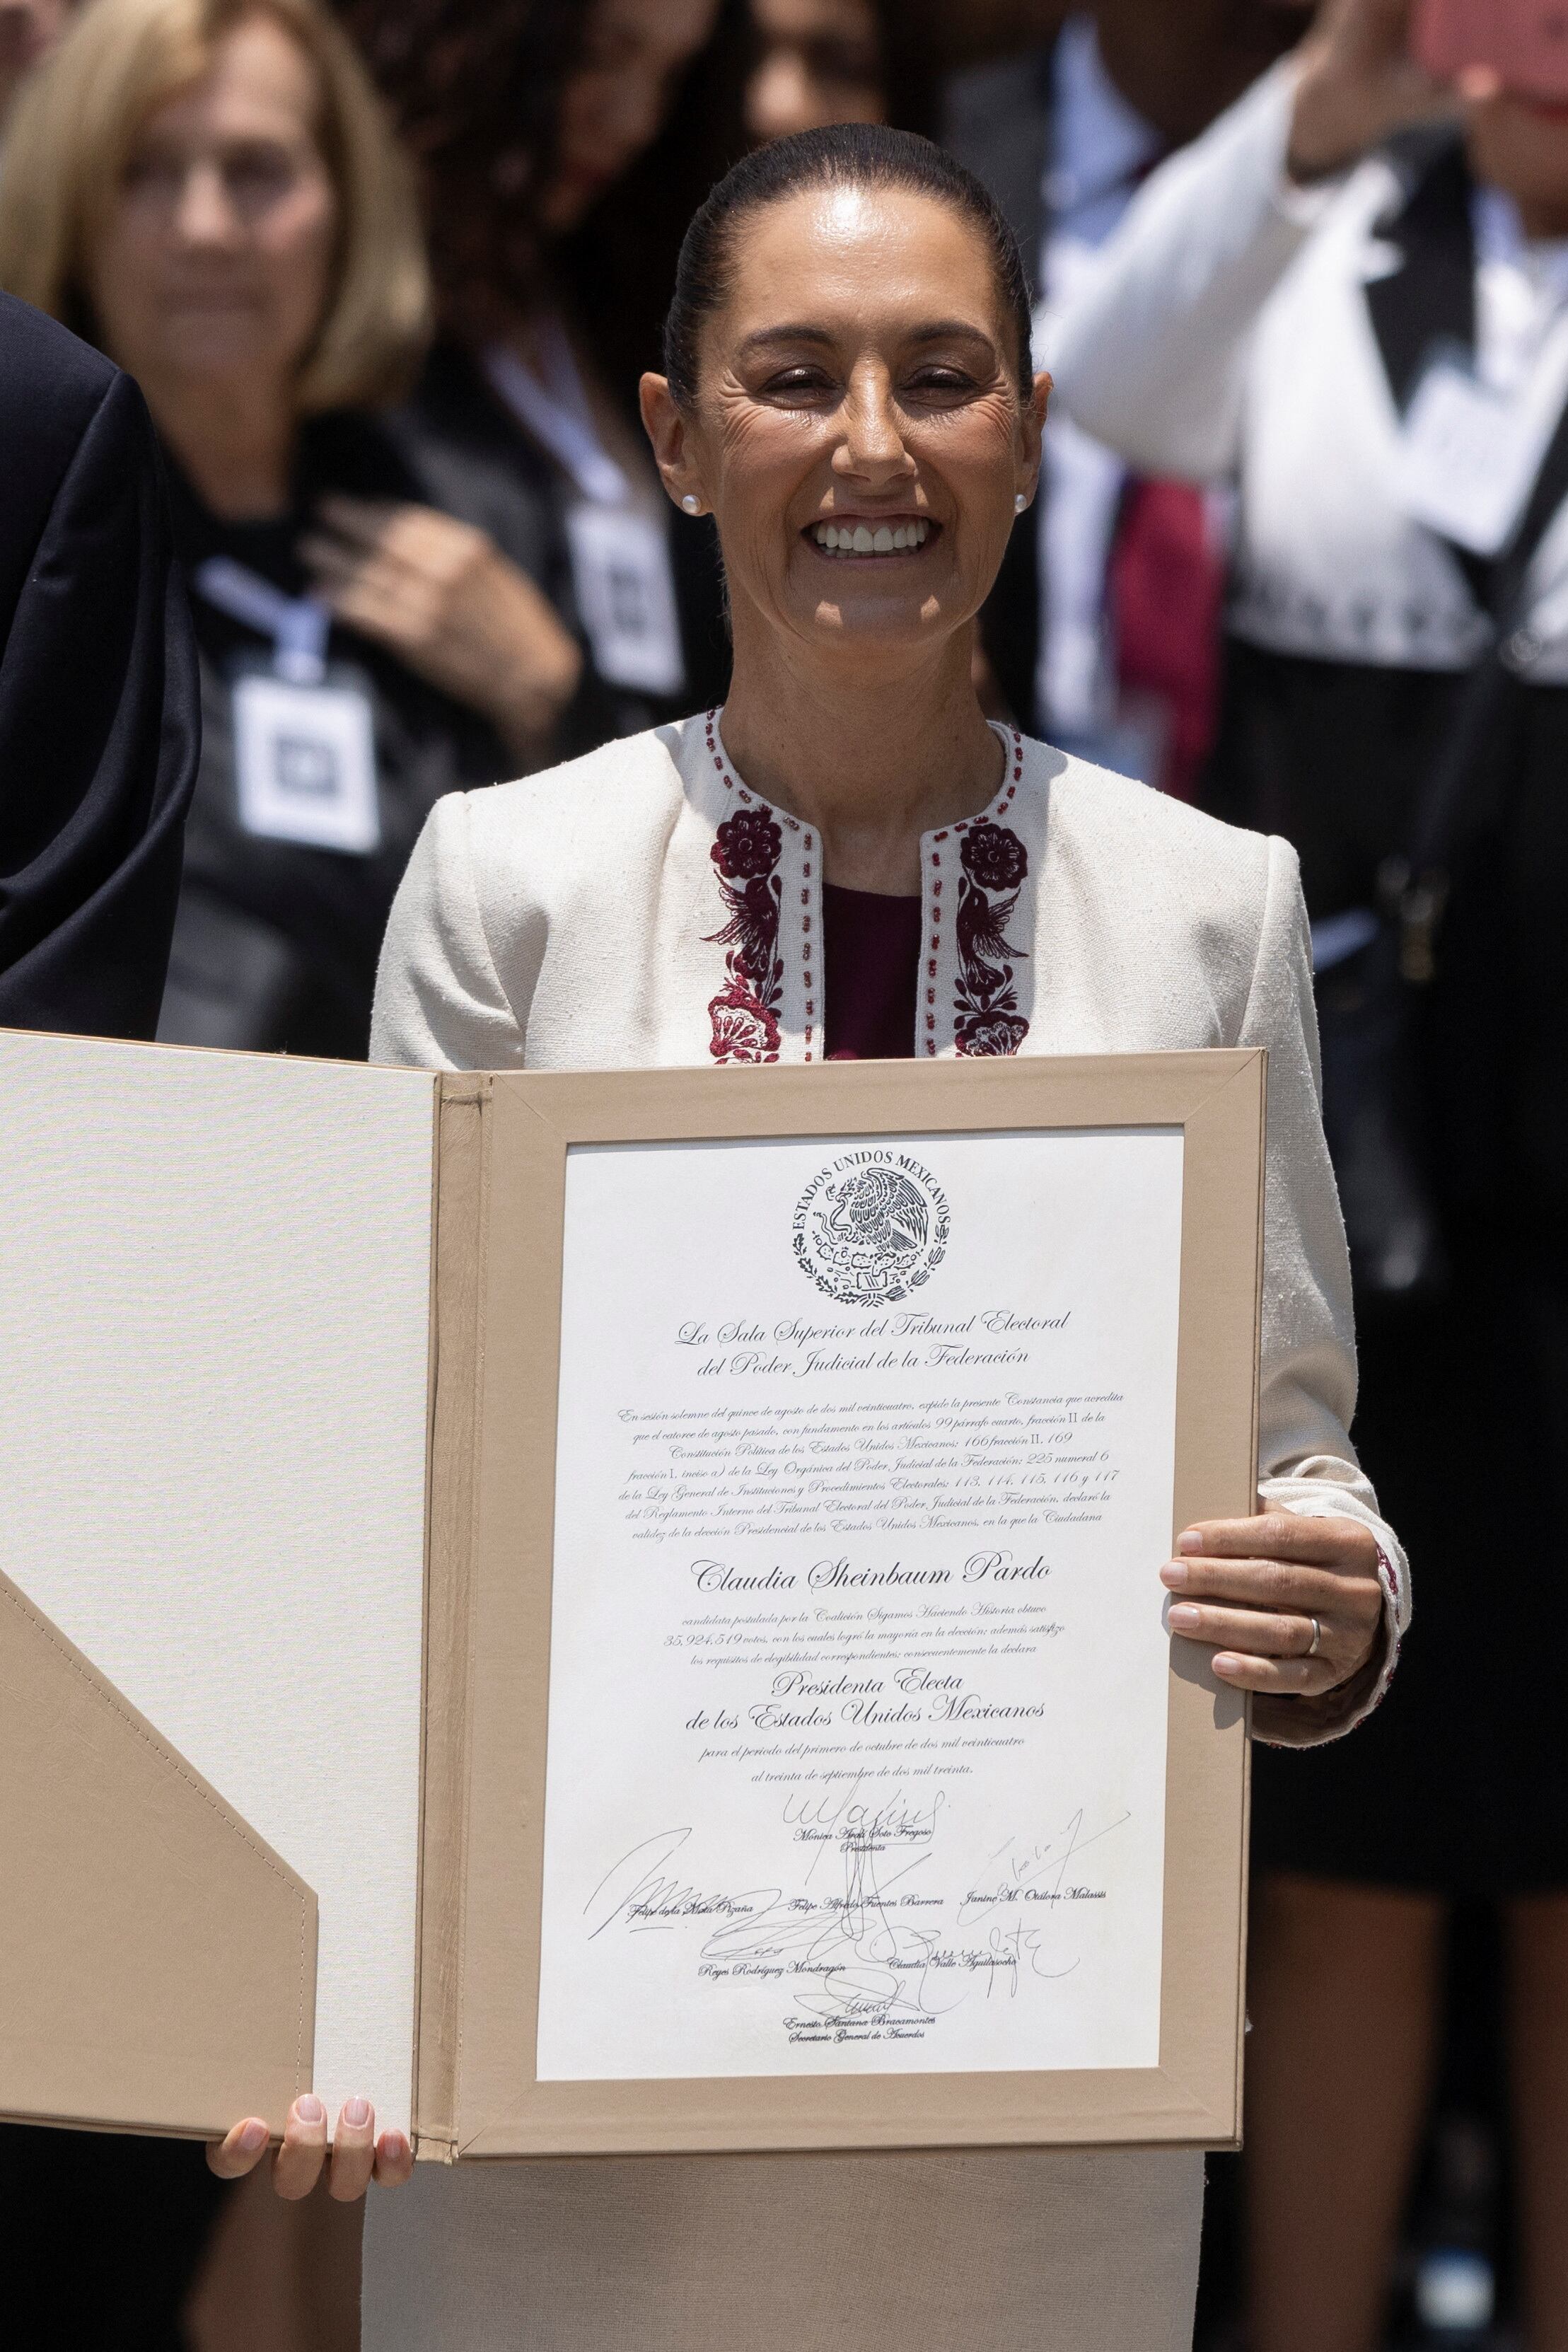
x=1189 y=1541
x=1174 y=1573
x=1182 y=1618
x=309 y=2109
x=396 y=2147
x=252 y=2136
x=356 y=2112
x=1225 y=1662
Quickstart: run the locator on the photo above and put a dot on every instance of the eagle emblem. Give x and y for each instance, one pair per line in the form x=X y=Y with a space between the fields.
x=872 y=1228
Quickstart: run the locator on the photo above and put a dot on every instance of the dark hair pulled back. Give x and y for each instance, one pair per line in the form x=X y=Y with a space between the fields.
x=845 y=156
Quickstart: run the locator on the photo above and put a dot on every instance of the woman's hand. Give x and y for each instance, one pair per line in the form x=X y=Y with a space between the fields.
x=357 y=2158
x=447 y=602
x=1357 y=82
x=1292 y=1606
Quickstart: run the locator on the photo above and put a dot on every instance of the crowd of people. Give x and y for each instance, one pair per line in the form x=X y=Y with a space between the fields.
x=390 y=274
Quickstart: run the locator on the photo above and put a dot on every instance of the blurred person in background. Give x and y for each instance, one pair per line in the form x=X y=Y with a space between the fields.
x=28 y=30
x=207 y=189
x=1351 y=298
x=817 y=62
x=524 y=118
x=1104 y=633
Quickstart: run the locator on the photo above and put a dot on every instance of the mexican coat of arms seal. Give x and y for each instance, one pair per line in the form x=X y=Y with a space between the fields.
x=870 y=1227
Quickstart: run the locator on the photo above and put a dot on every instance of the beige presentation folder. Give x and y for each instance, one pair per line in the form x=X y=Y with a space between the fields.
x=280 y=1344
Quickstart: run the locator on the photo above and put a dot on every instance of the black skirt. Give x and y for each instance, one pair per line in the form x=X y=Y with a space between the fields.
x=1459 y=1783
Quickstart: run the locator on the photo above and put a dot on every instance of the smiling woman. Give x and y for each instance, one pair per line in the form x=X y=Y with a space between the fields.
x=847 y=860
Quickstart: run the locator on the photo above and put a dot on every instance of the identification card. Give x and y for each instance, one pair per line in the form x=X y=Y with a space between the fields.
x=1470 y=457
x=305 y=762
x=620 y=567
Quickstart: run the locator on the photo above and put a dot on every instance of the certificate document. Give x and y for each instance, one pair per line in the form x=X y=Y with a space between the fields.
x=751 y=1535
x=856 y=1754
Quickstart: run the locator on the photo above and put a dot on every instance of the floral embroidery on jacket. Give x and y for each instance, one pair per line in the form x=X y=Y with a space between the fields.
x=995 y=862
x=745 y=1013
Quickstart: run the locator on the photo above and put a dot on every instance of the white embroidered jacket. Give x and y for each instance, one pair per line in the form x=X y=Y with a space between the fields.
x=641 y=907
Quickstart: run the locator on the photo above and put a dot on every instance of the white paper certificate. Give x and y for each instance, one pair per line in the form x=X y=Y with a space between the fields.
x=856 y=1754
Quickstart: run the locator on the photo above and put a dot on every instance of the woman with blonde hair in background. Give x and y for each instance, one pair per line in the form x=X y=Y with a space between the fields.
x=207 y=189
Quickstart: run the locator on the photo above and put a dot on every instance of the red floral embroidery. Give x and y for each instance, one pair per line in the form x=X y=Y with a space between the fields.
x=990 y=1033
x=743 y=1030
x=995 y=864
x=745 y=1014
x=993 y=857
x=747 y=847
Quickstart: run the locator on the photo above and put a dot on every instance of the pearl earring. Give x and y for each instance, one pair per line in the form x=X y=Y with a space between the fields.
x=1019 y=502
x=692 y=503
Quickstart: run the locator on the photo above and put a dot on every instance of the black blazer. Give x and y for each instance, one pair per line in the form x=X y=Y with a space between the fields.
x=99 y=724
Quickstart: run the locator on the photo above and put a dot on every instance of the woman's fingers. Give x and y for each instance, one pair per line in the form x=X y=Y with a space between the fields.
x=374 y=599
x=1285 y=1677
x=421 y=538
x=1288 y=1604
x=298 y=2165
x=1281 y=1563
x=334 y=563
x=335 y=567
x=1247 y=1630
x=1261 y=1653
x=1279 y=1585
x=332 y=559
x=375 y=608
x=394 y=2159
x=1280 y=1536
x=364 y=522
x=357 y=2157
x=239 y=2151
x=353 y=2152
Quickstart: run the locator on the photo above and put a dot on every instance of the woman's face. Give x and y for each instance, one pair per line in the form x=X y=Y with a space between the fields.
x=818 y=61
x=613 y=104
x=216 y=258
x=858 y=386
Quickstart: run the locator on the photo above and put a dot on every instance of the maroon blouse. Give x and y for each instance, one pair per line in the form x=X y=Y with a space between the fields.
x=871 y=954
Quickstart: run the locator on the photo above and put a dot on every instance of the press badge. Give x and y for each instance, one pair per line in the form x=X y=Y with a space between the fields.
x=620 y=569
x=1470 y=457
x=305 y=760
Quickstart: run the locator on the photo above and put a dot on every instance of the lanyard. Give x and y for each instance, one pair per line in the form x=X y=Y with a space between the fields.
x=554 y=407
x=298 y=625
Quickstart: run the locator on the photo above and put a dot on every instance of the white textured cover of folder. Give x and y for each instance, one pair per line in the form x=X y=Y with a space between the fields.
x=213 y=1356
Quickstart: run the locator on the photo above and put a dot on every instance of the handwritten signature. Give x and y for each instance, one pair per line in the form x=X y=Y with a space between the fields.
x=853 y=1958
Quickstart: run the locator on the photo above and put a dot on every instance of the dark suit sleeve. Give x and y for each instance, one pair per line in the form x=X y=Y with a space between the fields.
x=99 y=720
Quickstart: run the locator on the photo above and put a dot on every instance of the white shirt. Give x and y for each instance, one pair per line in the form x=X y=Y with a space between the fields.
x=1521 y=291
